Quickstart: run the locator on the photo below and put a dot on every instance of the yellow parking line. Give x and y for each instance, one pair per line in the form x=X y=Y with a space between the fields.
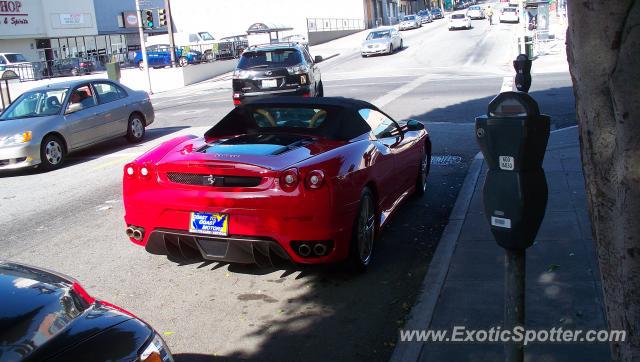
x=122 y=159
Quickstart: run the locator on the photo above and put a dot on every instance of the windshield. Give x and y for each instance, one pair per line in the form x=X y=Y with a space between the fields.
x=36 y=104
x=289 y=117
x=435 y=11
x=206 y=36
x=15 y=58
x=409 y=17
x=457 y=16
x=378 y=35
x=270 y=59
x=474 y=8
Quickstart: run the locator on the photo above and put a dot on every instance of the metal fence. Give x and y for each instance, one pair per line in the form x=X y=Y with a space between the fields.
x=327 y=24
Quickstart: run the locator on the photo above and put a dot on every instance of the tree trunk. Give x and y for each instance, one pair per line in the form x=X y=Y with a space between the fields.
x=603 y=49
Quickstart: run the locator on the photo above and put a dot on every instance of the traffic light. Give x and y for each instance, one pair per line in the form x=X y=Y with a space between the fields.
x=148 y=19
x=162 y=17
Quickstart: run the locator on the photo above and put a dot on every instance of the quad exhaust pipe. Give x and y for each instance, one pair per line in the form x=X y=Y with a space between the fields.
x=135 y=232
x=319 y=249
x=304 y=250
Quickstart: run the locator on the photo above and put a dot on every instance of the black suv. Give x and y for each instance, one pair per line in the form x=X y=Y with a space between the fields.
x=276 y=69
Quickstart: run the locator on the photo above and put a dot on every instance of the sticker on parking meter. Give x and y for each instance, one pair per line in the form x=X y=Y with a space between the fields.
x=506 y=163
x=501 y=222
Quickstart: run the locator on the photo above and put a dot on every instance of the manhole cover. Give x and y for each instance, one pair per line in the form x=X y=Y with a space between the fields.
x=445 y=160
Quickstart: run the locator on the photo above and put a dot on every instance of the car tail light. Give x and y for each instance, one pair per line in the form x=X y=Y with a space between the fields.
x=236 y=99
x=315 y=179
x=146 y=171
x=306 y=95
x=130 y=169
x=289 y=179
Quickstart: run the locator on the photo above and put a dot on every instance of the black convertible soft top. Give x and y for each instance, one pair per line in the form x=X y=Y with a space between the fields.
x=343 y=121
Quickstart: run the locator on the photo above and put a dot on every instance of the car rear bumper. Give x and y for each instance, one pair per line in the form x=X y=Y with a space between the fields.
x=375 y=51
x=298 y=91
x=262 y=225
x=21 y=156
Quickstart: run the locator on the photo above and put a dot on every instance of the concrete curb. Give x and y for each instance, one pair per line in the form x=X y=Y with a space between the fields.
x=422 y=311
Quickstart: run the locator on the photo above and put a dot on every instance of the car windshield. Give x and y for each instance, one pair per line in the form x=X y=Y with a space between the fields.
x=378 y=35
x=474 y=8
x=36 y=104
x=268 y=117
x=15 y=58
x=409 y=17
x=509 y=9
x=457 y=16
x=269 y=58
x=206 y=36
x=435 y=11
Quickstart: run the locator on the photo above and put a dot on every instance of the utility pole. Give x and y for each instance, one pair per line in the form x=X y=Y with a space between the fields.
x=172 y=44
x=143 y=48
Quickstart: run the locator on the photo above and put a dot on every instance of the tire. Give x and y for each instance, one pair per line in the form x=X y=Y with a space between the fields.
x=423 y=172
x=135 y=128
x=320 y=90
x=364 y=233
x=141 y=64
x=52 y=153
x=74 y=72
x=401 y=44
x=183 y=62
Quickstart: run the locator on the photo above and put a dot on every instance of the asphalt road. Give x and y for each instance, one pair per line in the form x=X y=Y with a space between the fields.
x=71 y=220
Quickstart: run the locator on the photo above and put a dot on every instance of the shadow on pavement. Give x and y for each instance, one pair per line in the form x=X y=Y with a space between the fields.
x=556 y=102
x=99 y=150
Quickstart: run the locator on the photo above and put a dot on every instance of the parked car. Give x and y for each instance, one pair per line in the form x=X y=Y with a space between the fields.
x=383 y=40
x=425 y=16
x=410 y=22
x=68 y=66
x=307 y=180
x=43 y=125
x=49 y=316
x=437 y=13
x=459 y=21
x=159 y=56
x=9 y=60
x=475 y=12
x=460 y=6
x=509 y=14
x=276 y=69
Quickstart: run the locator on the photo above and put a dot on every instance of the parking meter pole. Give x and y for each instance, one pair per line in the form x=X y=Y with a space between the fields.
x=514 y=282
x=143 y=48
x=172 y=43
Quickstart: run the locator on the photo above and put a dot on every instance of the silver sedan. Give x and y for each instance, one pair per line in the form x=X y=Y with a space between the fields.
x=45 y=124
x=383 y=40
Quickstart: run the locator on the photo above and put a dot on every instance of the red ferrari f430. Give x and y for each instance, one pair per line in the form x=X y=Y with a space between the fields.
x=307 y=180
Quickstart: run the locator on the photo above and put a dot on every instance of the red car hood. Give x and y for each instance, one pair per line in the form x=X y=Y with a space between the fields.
x=266 y=151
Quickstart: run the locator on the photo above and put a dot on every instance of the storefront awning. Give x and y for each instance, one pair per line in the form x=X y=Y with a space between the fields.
x=258 y=28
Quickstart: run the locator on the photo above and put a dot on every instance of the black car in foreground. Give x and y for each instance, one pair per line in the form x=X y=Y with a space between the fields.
x=276 y=69
x=49 y=316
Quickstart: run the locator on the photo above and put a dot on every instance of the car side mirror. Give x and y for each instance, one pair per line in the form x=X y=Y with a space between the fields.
x=318 y=59
x=73 y=108
x=414 y=125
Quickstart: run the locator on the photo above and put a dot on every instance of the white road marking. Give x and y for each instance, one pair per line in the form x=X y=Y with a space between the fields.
x=399 y=92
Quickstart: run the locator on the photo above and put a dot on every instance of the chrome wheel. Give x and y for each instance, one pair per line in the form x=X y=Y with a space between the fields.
x=366 y=230
x=183 y=62
x=53 y=152
x=137 y=128
x=424 y=171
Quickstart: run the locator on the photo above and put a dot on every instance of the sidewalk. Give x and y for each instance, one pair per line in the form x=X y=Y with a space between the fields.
x=465 y=282
x=551 y=55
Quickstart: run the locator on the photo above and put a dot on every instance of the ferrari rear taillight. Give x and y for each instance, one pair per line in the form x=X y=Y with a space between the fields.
x=130 y=169
x=146 y=170
x=315 y=179
x=289 y=179
x=236 y=99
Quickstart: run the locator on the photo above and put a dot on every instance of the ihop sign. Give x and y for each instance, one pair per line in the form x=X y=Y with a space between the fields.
x=11 y=13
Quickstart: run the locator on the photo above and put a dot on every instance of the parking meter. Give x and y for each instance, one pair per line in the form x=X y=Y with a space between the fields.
x=513 y=138
x=522 y=65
